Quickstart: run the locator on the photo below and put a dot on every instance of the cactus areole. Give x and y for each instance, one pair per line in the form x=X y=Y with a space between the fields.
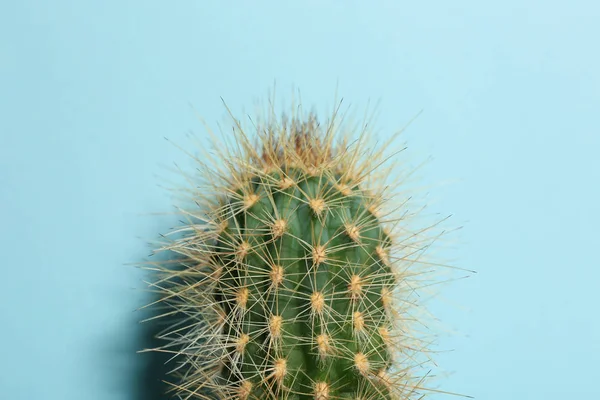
x=295 y=277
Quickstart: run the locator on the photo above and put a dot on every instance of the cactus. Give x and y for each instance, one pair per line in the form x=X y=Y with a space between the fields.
x=290 y=279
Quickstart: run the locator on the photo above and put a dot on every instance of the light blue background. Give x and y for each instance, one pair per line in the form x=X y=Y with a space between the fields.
x=510 y=93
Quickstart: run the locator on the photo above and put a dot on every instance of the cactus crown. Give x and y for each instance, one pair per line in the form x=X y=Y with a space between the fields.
x=293 y=282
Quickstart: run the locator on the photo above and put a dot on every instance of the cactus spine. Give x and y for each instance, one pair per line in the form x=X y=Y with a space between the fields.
x=292 y=281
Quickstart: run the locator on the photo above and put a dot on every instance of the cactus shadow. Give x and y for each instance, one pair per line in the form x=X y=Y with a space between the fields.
x=152 y=381
x=125 y=363
x=122 y=368
x=149 y=382
x=153 y=377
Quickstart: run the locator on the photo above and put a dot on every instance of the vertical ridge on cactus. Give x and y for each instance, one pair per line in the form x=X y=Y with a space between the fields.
x=296 y=273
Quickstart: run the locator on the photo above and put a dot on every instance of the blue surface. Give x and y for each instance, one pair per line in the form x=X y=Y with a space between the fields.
x=510 y=93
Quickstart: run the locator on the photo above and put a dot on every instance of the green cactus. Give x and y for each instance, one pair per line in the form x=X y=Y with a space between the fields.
x=292 y=281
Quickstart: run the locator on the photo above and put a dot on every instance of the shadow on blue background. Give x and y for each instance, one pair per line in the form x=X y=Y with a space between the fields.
x=129 y=370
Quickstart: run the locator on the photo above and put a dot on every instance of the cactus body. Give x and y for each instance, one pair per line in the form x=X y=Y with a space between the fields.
x=290 y=274
x=302 y=275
